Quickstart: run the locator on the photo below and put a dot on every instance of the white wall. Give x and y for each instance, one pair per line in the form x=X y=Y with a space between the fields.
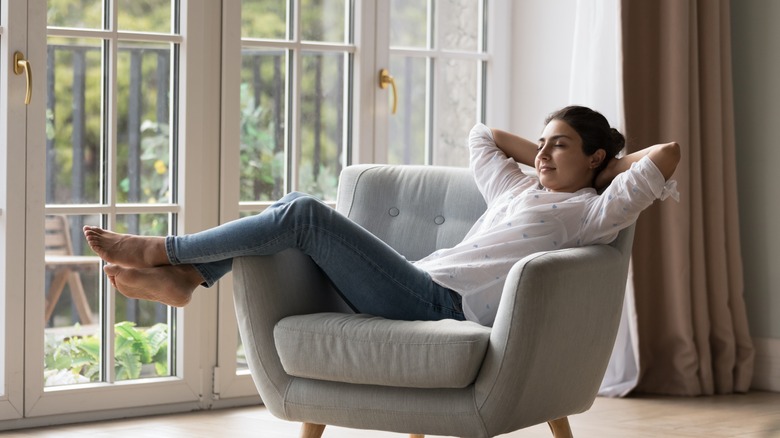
x=541 y=48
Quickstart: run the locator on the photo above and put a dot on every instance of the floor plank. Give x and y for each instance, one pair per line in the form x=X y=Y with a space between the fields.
x=755 y=415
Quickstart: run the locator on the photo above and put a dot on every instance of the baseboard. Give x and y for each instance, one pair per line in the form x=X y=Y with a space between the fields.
x=766 y=373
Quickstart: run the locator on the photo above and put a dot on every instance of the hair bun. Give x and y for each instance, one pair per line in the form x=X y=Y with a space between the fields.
x=618 y=140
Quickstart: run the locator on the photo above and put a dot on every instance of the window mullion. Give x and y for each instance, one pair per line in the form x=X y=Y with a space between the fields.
x=294 y=101
x=108 y=304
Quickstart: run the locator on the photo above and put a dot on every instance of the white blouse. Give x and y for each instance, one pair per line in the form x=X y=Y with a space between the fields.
x=523 y=218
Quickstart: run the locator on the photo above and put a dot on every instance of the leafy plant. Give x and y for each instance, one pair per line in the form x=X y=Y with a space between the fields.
x=262 y=166
x=77 y=359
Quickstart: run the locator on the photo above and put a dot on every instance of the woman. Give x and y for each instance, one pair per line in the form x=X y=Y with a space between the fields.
x=558 y=208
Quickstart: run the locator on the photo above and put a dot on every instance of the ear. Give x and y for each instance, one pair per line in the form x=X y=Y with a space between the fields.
x=597 y=158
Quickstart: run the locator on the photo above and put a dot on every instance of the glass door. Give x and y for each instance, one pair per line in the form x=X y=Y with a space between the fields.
x=107 y=153
x=301 y=99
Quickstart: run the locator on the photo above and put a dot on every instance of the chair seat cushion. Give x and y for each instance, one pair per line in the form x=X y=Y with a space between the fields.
x=365 y=349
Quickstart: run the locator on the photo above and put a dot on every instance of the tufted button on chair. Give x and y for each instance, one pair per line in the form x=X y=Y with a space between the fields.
x=543 y=359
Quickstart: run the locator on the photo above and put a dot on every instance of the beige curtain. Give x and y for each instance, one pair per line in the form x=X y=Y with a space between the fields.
x=693 y=331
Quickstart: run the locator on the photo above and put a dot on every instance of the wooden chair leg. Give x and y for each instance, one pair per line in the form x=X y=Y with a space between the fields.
x=55 y=290
x=79 y=297
x=311 y=430
x=560 y=428
x=414 y=435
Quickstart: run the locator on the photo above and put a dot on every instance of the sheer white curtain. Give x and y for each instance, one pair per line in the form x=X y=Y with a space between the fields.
x=597 y=82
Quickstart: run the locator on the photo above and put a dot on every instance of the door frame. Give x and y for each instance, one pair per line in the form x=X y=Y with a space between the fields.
x=13 y=131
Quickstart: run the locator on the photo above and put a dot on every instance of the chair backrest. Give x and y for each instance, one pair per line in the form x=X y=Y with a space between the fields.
x=419 y=209
x=416 y=212
x=58 y=236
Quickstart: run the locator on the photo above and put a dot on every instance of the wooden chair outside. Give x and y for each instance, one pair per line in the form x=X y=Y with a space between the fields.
x=66 y=267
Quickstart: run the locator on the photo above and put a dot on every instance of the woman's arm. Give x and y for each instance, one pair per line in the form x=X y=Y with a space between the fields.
x=665 y=156
x=519 y=149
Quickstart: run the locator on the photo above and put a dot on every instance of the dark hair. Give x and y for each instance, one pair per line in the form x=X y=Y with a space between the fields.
x=594 y=129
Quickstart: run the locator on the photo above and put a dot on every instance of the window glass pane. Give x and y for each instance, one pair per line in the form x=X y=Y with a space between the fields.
x=263 y=109
x=73 y=121
x=406 y=143
x=322 y=123
x=144 y=146
x=264 y=19
x=75 y=13
x=72 y=333
x=145 y=15
x=409 y=23
x=458 y=24
x=142 y=331
x=457 y=111
x=323 y=21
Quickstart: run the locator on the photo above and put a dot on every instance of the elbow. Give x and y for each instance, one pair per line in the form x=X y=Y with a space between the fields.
x=674 y=149
x=671 y=154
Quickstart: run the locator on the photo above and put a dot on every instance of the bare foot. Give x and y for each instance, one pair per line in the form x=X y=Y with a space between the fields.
x=171 y=285
x=127 y=250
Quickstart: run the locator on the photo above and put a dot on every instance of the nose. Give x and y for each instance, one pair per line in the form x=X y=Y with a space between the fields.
x=543 y=152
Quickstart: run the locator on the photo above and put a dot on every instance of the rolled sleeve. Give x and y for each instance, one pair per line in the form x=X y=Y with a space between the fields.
x=493 y=171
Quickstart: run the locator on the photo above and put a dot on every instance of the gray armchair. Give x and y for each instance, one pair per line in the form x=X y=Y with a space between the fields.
x=315 y=362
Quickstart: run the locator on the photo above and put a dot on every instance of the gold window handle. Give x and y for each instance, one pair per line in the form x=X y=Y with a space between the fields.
x=386 y=79
x=22 y=65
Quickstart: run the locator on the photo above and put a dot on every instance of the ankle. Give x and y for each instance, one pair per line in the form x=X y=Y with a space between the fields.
x=195 y=276
x=156 y=253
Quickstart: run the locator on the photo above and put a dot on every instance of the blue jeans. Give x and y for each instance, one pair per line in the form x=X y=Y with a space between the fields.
x=371 y=276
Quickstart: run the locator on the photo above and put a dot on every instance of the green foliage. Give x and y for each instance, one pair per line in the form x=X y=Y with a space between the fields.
x=262 y=166
x=264 y=18
x=146 y=15
x=77 y=359
x=155 y=158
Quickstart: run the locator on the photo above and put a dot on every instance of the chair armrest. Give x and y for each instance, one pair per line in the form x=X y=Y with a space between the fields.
x=267 y=289
x=553 y=335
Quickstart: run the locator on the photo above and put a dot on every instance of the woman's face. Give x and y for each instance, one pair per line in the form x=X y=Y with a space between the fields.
x=561 y=163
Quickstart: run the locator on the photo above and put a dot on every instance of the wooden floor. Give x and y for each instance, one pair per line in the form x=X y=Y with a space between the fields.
x=749 y=415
